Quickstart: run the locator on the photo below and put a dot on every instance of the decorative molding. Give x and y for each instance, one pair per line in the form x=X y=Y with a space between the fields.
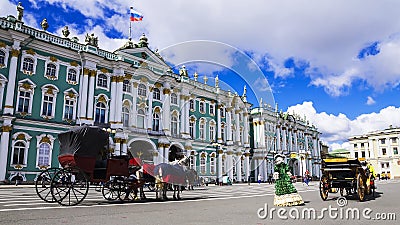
x=144 y=79
x=73 y=63
x=6 y=128
x=53 y=59
x=14 y=52
x=45 y=139
x=30 y=52
x=128 y=76
x=102 y=99
x=104 y=70
x=2 y=44
x=166 y=91
x=113 y=79
x=92 y=73
x=86 y=71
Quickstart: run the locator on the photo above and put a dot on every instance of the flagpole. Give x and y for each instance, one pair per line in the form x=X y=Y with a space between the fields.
x=130 y=27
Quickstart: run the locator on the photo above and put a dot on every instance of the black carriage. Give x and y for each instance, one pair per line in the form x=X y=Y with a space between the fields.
x=84 y=159
x=343 y=174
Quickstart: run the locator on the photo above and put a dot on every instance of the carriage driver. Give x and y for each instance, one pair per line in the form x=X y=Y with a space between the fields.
x=371 y=170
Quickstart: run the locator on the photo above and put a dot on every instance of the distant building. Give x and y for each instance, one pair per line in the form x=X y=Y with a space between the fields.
x=381 y=149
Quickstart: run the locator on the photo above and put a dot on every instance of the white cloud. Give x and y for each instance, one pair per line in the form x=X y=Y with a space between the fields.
x=338 y=128
x=370 y=100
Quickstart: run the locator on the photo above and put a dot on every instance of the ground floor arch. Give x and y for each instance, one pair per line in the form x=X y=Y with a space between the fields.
x=175 y=152
x=143 y=149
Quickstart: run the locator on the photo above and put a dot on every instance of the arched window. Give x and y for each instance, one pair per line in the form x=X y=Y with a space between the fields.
x=174 y=99
x=202 y=107
x=102 y=81
x=212 y=163
x=44 y=154
x=24 y=101
x=212 y=111
x=142 y=90
x=100 y=116
x=48 y=101
x=2 y=57
x=156 y=94
x=191 y=129
x=28 y=64
x=203 y=163
x=191 y=104
x=51 y=70
x=140 y=118
x=71 y=75
x=202 y=130
x=19 y=153
x=212 y=132
x=69 y=109
x=174 y=125
x=125 y=116
x=156 y=121
x=126 y=86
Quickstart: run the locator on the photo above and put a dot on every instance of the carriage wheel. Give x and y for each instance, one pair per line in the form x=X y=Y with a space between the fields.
x=110 y=190
x=43 y=182
x=360 y=188
x=126 y=193
x=69 y=186
x=324 y=188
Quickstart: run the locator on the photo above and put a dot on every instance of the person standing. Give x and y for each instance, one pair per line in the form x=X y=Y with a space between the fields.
x=259 y=178
x=270 y=178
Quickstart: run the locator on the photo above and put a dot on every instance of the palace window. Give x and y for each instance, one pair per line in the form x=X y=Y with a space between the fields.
x=212 y=163
x=191 y=129
x=383 y=141
x=212 y=132
x=51 y=71
x=47 y=108
x=71 y=76
x=223 y=133
x=44 y=154
x=191 y=104
x=69 y=106
x=203 y=163
x=126 y=86
x=142 y=90
x=394 y=140
x=156 y=122
x=2 y=57
x=27 y=64
x=395 y=151
x=174 y=126
x=212 y=109
x=140 y=118
x=383 y=151
x=222 y=112
x=102 y=81
x=100 y=115
x=202 y=107
x=192 y=162
x=156 y=94
x=18 y=157
x=125 y=116
x=362 y=154
x=174 y=99
x=202 y=130
x=24 y=101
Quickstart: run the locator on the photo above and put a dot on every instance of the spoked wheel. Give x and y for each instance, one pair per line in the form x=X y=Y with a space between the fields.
x=110 y=190
x=43 y=182
x=324 y=188
x=360 y=188
x=69 y=186
x=126 y=193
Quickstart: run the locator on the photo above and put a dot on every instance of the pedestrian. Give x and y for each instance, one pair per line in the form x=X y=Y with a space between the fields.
x=259 y=178
x=270 y=178
x=306 y=180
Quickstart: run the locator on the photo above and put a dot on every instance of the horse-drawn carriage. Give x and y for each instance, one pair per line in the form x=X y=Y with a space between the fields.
x=84 y=158
x=348 y=175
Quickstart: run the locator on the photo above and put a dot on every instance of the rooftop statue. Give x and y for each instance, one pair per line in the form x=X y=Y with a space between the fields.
x=183 y=71
x=91 y=40
x=65 y=31
x=20 y=10
x=44 y=24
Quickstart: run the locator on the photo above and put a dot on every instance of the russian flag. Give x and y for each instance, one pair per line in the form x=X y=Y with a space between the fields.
x=135 y=15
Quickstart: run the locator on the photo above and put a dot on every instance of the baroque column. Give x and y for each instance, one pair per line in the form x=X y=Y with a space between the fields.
x=90 y=101
x=84 y=94
x=166 y=112
x=219 y=137
x=5 y=140
x=9 y=104
x=113 y=99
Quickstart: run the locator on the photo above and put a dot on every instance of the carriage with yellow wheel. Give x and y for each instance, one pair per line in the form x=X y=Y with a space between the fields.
x=346 y=175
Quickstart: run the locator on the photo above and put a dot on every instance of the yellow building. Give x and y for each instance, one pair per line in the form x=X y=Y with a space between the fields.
x=381 y=149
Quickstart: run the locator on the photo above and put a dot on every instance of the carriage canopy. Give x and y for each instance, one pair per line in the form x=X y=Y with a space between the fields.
x=90 y=141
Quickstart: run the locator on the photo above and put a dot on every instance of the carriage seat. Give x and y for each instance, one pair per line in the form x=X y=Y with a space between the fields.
x=100 y=169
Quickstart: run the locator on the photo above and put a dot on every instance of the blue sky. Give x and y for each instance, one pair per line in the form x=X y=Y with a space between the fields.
x=337 y=62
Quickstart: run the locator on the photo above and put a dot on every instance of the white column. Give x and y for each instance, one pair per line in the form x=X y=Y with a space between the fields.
x=229 y=166
x=9 y=104
x=113 y=99
x=262 y=133
x=296 y=148
x=371 y=148
x=389 y=148
x=160 y=153
x=166 y=112
x=166 y=153
x=84 y=94
x=117 y=150
x=220 y=165
x=290 y=147
x=228 y=125
x=118 y=105
x=284 y=144
x=306 y=142
x=183 y=115
x=90 y=101
x=134 y=108
x=247 y=165
x=246 y=129
x=278 y=139
x=5 y=139
x=124 y=150
x=150 y=116
x=237 y=123
x=186 y=119
x=219 y=137
x=239 y=168
x=155 y=158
